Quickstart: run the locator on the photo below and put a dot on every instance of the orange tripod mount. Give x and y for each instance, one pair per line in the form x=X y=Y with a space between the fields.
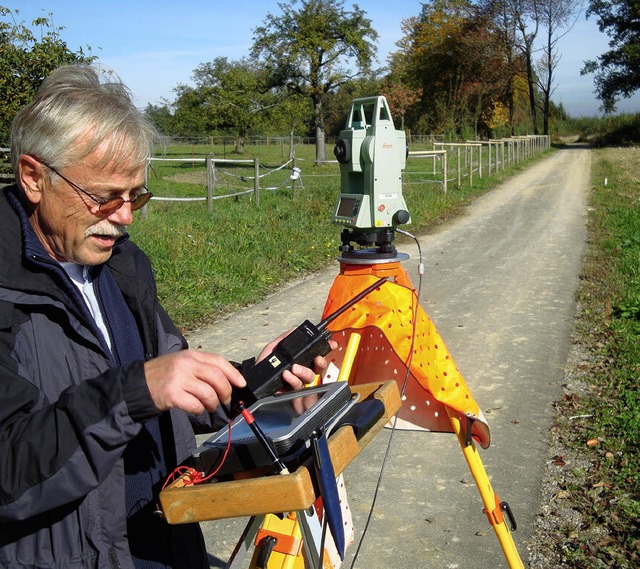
x=387 y=332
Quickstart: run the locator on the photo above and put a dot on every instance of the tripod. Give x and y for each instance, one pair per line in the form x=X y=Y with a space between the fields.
x=387 y=335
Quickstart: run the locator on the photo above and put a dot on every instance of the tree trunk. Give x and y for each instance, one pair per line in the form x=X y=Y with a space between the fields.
x=532 y=95
x=240 y=143
x=318 y=121
x=321 y=155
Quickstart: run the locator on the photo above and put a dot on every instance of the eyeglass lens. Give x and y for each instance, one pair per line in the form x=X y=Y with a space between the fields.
x=114 y=204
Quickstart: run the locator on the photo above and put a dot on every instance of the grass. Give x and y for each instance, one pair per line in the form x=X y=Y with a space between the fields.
x=607 y=494
x=209 y=264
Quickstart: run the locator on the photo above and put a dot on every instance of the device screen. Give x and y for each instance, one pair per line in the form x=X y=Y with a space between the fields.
x=277 y=416
x=347 y=207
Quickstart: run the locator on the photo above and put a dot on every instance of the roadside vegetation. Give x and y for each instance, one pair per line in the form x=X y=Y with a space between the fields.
x=610 y=327
x=594 y=506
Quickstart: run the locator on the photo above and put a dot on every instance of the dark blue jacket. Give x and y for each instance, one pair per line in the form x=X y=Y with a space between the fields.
x=67 y=414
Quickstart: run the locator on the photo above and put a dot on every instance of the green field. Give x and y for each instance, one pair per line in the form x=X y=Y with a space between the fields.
x=210 y=263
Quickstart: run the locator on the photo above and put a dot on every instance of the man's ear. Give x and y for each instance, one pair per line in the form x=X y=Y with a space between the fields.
x=32 y=177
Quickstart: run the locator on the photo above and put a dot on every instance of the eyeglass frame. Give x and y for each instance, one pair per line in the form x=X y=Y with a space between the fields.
x=143 y=197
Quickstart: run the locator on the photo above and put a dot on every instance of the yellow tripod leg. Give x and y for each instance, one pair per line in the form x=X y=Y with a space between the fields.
x=490 y=499
x=349 y=356
x=287 y=551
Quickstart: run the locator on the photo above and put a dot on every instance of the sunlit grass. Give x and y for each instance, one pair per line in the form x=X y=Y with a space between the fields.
x=610 y=329
x=210 y=263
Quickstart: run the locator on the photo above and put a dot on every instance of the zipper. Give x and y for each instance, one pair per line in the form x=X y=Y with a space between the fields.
x=113 y=558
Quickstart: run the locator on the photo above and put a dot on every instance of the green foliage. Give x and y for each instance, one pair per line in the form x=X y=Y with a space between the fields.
x=314 y=49
x=617 y=71
x=227 y=94
x=162 y=118
x=26 y=61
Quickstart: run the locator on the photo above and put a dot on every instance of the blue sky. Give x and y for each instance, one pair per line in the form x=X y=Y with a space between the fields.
x=155 y=45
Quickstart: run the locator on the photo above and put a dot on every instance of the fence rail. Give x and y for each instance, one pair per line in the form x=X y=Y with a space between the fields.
x=468 y=159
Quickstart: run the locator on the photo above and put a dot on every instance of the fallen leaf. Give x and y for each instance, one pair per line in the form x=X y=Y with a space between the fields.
x=559 y=460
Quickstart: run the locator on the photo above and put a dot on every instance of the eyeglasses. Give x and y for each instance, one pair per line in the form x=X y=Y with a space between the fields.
x=107 y=206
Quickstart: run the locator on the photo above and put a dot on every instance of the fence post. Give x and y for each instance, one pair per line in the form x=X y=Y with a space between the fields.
x=459 y=166
x=445 y=172
x=144 y=212
x=210 y=182
x=256 y=181
x=294 y=175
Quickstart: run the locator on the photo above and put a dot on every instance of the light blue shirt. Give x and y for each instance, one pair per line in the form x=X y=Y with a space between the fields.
x=80 y=276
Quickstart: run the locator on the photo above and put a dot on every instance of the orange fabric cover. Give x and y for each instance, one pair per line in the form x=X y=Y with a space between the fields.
x=384 y=318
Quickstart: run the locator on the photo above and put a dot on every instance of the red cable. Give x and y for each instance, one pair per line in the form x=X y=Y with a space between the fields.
x=192 y=476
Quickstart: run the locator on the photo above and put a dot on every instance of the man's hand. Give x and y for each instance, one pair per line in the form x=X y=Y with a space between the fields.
x=191 y=380
x=298 y=376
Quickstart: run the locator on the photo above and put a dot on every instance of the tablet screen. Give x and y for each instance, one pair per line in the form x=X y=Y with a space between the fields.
x=277 y=415
x=287 y=419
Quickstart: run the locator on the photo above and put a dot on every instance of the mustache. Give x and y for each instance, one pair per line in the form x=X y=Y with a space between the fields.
x=106 y=228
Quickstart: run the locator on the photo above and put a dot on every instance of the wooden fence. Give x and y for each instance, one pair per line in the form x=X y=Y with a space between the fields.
x=211 y=178
x=451 y=162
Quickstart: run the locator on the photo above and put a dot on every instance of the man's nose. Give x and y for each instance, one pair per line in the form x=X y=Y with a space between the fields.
x=123 y=215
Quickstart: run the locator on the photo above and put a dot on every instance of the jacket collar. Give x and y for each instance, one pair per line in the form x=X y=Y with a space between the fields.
x=25 y=266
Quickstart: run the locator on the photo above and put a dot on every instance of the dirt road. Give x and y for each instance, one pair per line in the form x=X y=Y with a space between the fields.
x=499 y=285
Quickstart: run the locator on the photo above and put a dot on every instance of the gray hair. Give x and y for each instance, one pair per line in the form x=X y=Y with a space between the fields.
x=74 y=111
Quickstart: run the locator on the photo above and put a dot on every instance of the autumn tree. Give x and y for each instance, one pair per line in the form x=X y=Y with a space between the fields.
x=450 y=56
x=311 y=48
x=524 y=16
x=400 y=96
x=505 y=29
x=617 y=71
x=27 y=57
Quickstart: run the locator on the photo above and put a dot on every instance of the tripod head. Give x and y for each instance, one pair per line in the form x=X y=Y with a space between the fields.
x=372 y=155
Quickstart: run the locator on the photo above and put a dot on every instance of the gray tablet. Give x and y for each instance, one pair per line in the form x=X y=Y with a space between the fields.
x=287 y=419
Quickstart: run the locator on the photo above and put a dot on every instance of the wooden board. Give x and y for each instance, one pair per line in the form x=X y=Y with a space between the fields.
x=181 y=503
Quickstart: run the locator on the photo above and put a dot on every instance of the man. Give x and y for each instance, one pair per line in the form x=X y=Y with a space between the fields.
x=98 y=391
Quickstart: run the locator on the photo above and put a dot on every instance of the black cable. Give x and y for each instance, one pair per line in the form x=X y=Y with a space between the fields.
x=404 y=387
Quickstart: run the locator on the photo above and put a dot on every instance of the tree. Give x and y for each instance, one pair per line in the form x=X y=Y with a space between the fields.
x=451 y=56
x=26 y=61
x=505 y=28
x=161 y=116
x=617 y=71
x=227 y=95
x=314 y=49
x=555 y=15
x=400 y=96
x=526 y=18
